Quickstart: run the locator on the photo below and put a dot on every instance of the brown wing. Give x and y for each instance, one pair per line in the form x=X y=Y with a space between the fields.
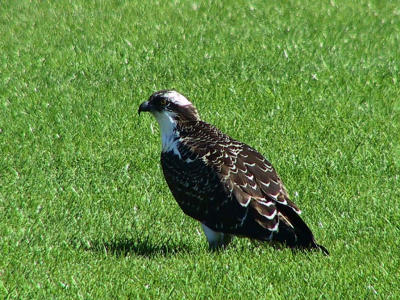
x=232 y=188
x=251 y=174
x=246 y=187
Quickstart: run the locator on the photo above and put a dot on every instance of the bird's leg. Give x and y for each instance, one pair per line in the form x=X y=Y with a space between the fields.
x=216 y=240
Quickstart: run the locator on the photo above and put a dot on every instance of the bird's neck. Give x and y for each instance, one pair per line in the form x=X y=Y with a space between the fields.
x=169 y=132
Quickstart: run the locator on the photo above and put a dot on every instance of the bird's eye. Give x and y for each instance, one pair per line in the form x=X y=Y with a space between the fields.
x=163 y=102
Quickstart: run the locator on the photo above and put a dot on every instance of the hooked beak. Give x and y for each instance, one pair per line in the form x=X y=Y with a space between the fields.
x=145 y=106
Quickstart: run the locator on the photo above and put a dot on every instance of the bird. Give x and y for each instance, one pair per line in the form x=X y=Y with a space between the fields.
x=226 y=185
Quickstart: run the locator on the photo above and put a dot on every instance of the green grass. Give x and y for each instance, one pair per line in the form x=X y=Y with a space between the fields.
x=84 y=209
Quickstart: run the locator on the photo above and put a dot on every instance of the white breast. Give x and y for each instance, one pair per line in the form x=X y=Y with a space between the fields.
x=169 y=134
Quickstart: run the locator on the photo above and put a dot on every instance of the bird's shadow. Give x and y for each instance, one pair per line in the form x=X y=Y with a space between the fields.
x=145 y=247
x=126 y=247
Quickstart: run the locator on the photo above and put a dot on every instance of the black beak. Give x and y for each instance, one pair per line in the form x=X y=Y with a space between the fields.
x=145 y=106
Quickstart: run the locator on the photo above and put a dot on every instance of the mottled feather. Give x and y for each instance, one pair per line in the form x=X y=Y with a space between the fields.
x=227 y=185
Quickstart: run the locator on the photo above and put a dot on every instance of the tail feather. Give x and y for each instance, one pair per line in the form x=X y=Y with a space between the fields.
x=298 y=236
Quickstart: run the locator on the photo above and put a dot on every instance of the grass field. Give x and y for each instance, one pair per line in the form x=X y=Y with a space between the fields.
x=84 y=209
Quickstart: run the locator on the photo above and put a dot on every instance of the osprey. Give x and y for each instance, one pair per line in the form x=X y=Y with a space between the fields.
x=226 y=185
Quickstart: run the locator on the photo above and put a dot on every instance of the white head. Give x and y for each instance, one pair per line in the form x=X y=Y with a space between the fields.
x=169 y=108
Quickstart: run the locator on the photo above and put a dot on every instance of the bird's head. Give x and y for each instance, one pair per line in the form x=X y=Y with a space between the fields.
x=169 y=108
x=170 y=105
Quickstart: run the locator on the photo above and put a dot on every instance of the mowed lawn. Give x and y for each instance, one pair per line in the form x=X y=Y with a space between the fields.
x=85 y=212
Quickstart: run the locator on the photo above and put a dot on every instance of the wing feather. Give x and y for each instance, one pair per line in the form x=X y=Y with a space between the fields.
x=228 y=185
